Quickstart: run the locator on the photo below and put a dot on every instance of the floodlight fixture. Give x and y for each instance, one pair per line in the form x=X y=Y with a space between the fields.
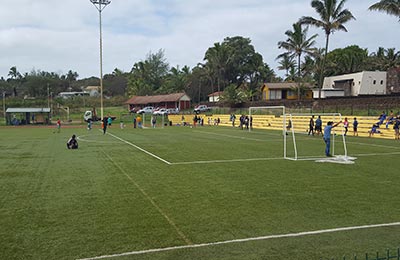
x=100 y=5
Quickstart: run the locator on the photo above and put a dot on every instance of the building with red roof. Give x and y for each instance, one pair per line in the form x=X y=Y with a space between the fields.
x=175 y=100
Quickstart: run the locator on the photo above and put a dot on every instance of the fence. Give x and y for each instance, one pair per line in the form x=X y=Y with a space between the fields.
x=387 y=256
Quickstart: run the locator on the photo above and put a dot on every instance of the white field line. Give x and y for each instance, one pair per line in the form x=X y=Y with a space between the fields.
x=233 y=136
x=376 y=145
x=169 y=220
x=227 y=161
x=82 y=138
x=376 y=154
x=141 y=149
x=300 y=234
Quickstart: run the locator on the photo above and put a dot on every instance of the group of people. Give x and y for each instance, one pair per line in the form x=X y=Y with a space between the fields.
x=245 y=122
x=315 y=127
x=390 y=119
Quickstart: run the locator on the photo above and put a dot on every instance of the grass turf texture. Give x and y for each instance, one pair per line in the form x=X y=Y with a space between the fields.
x=109 y=197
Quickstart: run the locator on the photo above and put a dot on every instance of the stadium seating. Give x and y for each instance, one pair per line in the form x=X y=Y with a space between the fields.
x=276 y=123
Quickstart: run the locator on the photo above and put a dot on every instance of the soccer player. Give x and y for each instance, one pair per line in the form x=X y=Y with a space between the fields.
x=355 y=127
x=104 y=125
x=58 y=125
x=327 y=136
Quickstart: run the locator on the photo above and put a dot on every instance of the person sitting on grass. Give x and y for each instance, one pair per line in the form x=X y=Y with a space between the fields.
x=72 y=143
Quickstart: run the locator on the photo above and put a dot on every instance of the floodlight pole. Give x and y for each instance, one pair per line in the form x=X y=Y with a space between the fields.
x=100 y=5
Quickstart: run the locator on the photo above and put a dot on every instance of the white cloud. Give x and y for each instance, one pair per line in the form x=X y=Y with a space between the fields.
x=59 y=36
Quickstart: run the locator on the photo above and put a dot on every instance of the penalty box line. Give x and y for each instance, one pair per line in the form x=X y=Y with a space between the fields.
x=140 y=149
x=192 y=162
x=290 y=235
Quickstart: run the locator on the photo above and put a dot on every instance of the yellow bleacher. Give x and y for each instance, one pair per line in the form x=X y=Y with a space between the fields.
x=301 y=123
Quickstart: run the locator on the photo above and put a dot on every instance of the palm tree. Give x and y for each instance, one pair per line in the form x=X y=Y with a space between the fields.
x=333 y=16
x=297 y=44
x=218 y=58
x=286 y=63
x=391 y=7
x=385 y=59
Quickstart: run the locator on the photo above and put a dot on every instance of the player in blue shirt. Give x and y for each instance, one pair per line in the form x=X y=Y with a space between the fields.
x=327 y=136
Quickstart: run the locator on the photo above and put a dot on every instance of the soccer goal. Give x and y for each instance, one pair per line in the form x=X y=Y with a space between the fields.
x=159 y=121
x=266 y=117
x=301 y=143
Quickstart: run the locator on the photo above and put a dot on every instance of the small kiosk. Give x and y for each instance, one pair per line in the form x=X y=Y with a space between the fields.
x=27 y=116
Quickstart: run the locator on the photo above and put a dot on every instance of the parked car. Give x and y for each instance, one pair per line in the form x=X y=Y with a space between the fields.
x=160 y=112
x=173 y=111
x=146 y=110
x=201 y=108
x=134 y=110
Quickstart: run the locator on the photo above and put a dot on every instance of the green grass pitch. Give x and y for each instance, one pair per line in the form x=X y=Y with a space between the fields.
x=136 y=190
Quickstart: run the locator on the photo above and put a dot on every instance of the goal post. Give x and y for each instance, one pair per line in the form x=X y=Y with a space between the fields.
x=266 y=113
x=268 y=117
x=303 y=144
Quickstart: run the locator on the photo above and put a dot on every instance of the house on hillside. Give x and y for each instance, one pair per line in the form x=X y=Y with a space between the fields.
x=354 y=84
x=94 y=91
x=283 y=90
x=214 y=97
x=176 y=100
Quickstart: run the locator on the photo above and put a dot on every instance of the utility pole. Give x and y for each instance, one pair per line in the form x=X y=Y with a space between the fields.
x=4 y=105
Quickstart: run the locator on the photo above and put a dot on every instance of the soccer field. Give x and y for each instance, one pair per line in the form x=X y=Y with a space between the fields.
x=192 y=193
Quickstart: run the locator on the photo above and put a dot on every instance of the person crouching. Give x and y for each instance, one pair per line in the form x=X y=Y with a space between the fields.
x=72 y=143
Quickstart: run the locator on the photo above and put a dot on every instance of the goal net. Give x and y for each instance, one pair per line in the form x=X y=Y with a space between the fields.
x=302 y=142
x=154 y=120
x=266 y=117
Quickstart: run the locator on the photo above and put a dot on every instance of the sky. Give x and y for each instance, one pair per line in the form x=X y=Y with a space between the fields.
x=58 y=36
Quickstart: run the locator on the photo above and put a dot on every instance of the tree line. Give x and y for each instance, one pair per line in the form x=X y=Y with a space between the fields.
x=232 y=66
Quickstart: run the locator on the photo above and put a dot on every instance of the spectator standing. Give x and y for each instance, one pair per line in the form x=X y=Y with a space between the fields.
x=355 y=127
x=396 y=126
x=318 y=125
x=311 y=126
x=233 y=118
x=346 y=126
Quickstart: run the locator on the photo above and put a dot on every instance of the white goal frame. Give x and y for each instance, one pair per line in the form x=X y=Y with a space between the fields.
x=283 y=108
x=144 y=116
x=269 y=107
x=292 y=131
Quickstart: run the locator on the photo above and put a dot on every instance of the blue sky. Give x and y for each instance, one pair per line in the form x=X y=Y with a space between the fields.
x=58 y=36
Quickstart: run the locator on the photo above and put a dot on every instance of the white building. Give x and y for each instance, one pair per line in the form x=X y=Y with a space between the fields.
x=355 y=84
x=214 y=97
x=94 y=91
